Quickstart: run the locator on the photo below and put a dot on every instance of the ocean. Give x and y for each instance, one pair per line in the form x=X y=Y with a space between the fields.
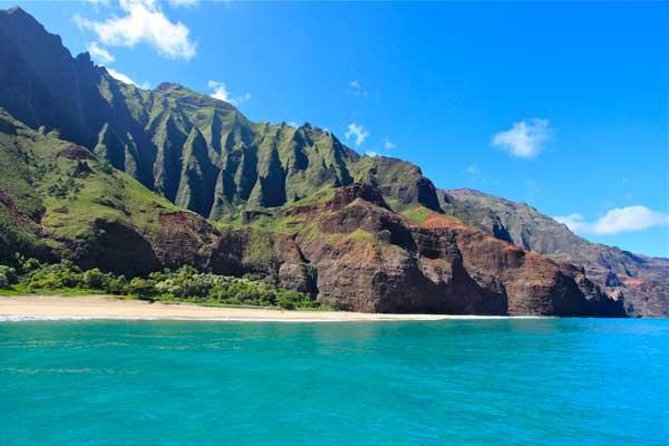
x=453 y=382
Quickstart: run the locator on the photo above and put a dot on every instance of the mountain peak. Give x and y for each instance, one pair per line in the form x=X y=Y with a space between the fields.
x=15 y=10
x=18 y=13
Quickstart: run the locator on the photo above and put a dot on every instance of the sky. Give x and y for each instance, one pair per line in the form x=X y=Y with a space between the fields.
x=564 y=106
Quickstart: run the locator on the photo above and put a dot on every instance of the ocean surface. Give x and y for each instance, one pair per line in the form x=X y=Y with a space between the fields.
x=492 y=382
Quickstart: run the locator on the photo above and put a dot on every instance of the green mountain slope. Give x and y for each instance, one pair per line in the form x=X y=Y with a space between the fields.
x=57 y=200
x=198 y=152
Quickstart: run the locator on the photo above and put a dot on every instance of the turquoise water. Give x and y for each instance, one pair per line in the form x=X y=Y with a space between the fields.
x=551 y=381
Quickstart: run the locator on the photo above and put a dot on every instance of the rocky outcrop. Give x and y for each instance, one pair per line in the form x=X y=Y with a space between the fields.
x=299 y=276
x=643 y=281
x=370 y=259
x=115 y=247
x=185 y=238
x=354 y=253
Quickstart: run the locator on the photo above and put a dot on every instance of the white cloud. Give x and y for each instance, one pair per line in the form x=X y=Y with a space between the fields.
x=220 y=91
x=388 y=144
x=99 y=54
x=372 y=154
x=356 y=86
x=243 y=98
x=524 y=139
x=143 y=22
x=120 y=76
x=177 y=3
x=614 y=221
x=575 y=222
x=630 y=218
x=357 y=132
x=222 y=94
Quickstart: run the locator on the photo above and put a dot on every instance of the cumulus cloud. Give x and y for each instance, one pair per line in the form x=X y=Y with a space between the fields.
x=372 y=153
x=120 y=76
x=524 y=139
x=614 y=221
x=388 y=144
x=99 y=54
x=357 y=133
x=143 y=22
x=221 y=92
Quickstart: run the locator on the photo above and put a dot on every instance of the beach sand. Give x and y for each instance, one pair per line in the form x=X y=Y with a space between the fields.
x=102 y=307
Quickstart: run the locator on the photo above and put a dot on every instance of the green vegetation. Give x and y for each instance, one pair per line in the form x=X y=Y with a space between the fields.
x=361 y=235
x=51 y=186
x=418 y=214
x=322 y=195
x=185 y=284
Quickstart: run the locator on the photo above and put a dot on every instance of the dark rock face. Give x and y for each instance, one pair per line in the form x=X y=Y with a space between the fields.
x=40 y=82
x=74 y=152
x=118 y=248
x=24 y=236
x=299 y=277
x=239 y=252
x=82 y=170
x=347 y=195
x=441 y=268
x=360 y=256
x=643 y=281
x=185 y=238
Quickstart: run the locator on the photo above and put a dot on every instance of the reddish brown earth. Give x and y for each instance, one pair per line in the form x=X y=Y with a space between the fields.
x=356 y=254
x=440 y=267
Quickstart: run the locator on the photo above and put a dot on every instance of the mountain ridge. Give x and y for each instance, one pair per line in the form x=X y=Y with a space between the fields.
x=246 y=178
x=615 y=269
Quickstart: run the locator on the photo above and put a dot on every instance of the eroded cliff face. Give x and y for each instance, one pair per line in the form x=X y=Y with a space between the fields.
x=371 y=259
x=642 y=280
x=350 y=249
x=354 y=253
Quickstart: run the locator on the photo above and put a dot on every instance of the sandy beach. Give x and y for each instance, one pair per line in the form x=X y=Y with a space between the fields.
x=35 y=307
x=101 y=307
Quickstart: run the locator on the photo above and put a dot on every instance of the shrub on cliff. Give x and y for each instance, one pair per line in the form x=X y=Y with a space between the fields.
x=183 y=284
x=7 y=276
x=290 y=300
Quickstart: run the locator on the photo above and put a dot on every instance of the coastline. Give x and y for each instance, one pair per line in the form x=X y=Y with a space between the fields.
x=38 y=307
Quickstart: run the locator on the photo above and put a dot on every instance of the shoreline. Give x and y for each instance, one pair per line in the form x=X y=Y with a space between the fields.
x=97 y=307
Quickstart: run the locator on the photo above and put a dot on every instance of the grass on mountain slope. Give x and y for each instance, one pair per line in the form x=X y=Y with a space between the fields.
x=113 y=197
x=41 y=182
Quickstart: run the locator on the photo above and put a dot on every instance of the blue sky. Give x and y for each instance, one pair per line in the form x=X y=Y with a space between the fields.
x=561 y=105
